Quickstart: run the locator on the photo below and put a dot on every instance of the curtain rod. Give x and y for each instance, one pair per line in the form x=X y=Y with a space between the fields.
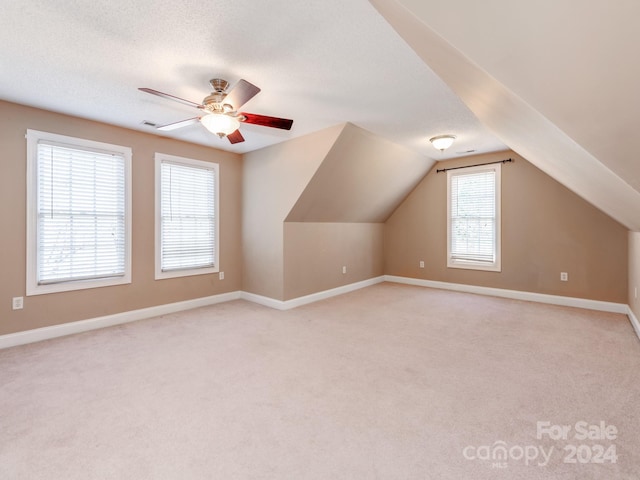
x=476 y=165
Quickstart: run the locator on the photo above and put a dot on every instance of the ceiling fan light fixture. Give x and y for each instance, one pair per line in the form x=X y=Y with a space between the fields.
x=218 y=111
x=442 y=142
x=220 y=124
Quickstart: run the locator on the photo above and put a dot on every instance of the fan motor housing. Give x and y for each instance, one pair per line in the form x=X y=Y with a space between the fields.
x=213 y=102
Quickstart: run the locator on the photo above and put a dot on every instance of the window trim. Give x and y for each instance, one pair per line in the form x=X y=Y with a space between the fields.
x=33 y=287
x=159 y=274
x=496 y=266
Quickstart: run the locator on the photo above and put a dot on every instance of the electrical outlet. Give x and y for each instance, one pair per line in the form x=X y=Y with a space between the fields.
x=344 y=269
x=221 y=275
x=564 y=276
x=421 y=263
x=17 y=303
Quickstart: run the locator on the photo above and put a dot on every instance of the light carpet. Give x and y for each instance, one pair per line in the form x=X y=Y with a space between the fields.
x=388 y=382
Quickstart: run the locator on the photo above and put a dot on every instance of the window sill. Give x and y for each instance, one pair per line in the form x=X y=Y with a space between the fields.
x=495 y=267
x=69 y=286
x=160 y=275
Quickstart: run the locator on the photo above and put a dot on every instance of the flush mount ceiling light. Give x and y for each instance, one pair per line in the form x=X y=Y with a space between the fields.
x=442 y=142
x=220 y=123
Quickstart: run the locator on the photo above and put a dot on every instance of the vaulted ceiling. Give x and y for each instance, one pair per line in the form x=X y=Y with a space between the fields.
x=556 y=81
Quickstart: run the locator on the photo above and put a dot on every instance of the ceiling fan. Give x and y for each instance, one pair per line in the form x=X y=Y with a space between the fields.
x=219 y=110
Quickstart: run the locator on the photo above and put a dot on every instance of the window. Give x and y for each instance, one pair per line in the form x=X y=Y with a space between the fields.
x=186 y=217
x=473 y=214
x=79 y=213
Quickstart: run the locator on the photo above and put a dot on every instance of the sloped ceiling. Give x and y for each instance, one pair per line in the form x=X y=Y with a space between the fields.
x=555 y=81
x=362 y=179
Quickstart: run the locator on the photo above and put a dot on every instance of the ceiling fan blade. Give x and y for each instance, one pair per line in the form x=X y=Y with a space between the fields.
x=235 y=137
x=180 y=124
x=266 y=121
x=241 y=93
x=170 y=97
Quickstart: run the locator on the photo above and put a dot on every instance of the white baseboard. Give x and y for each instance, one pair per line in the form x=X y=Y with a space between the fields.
x=314 y=297
x=45 y=333
x=634 y=322
x=262 y=300
x=53 y=331
x=515 y=294
x=528 y=296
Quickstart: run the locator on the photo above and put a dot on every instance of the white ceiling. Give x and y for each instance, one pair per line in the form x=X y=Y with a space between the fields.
x=319 y=63
x=556 y=80
x=576 y=62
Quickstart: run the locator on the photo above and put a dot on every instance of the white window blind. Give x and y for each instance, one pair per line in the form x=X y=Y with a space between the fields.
x=474 y=218
x=188 y=223
x=80 y=213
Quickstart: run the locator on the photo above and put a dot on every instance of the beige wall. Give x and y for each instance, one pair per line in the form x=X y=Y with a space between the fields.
x=634 y=273
x=316 y=203
x=144 y=291
x=546 y=229
x=314 y=254
x=363 y=178
x=273 y=179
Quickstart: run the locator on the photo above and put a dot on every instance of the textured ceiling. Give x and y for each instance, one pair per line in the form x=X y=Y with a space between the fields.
x=319 y=63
